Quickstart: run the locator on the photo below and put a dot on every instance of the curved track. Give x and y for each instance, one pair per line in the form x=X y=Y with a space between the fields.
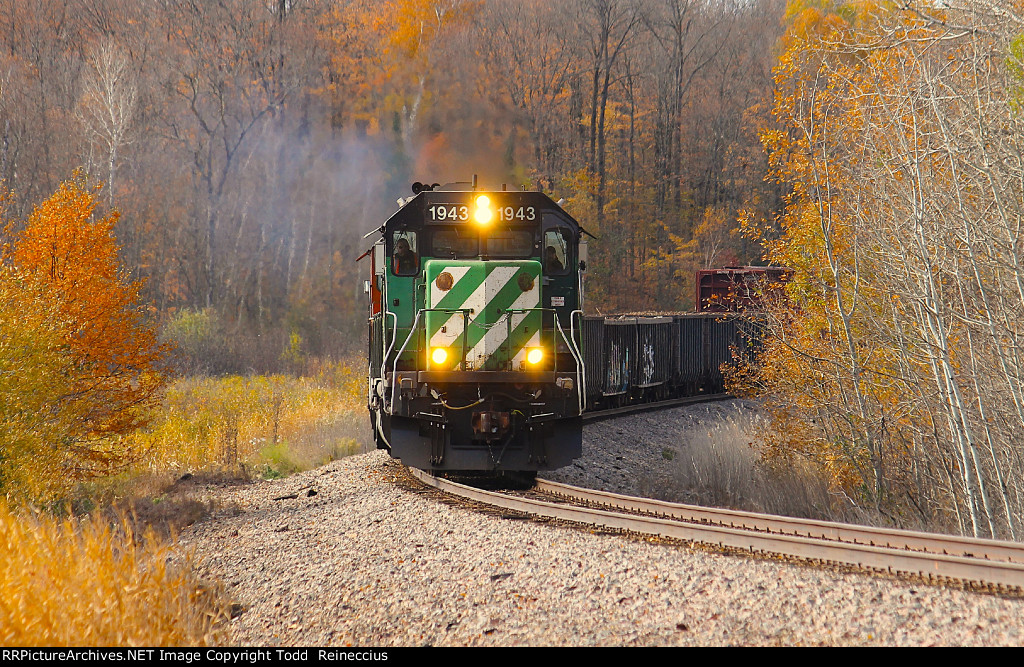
x=985 y=563
x=610 y=413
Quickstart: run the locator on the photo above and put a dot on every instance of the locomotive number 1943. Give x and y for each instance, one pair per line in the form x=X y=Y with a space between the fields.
x=448 y=212
x=460 y=213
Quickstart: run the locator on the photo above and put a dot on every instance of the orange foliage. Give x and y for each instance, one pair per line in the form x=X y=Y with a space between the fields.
x=418 y=22
x=69 y=253
x=381 y=50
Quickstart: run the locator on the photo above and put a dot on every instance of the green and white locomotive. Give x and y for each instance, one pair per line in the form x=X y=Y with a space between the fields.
x=475 y=311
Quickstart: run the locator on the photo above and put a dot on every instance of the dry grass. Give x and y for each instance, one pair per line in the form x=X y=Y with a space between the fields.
x=96 y=582
x=273 y=425
x=93 y=582
x=82 y=583
x=719 y=464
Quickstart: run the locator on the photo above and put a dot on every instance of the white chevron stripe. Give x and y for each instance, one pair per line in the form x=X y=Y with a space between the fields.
x=478 y=300
x=453 y=325
x=436 y=294
x=497 y=335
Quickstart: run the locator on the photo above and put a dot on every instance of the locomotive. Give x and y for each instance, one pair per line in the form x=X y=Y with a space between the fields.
x=480 y=356
x=475 y=304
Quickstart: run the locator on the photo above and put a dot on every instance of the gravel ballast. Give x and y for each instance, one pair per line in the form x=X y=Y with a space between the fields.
x=364 y=561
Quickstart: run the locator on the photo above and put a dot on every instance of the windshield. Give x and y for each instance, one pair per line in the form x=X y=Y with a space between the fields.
x=404 y=258
x=466 y=242
x=556 y=251
x=508 y=243
x=455 y=243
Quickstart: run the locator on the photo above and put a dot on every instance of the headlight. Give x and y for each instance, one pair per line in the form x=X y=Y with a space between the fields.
x=483 y=213
x=439 y=355
x=534 y=356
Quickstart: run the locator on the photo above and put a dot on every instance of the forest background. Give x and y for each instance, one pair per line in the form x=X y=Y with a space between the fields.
x=186 y=186
x=249 y=145
x=245 y=147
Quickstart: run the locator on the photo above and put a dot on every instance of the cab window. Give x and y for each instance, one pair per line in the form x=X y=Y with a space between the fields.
x=405 y=259
x=556 y=252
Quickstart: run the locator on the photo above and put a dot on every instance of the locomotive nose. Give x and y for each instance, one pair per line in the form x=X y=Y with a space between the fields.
x=485 y=311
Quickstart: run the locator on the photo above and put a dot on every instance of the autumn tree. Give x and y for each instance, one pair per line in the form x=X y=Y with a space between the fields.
x=898 y=356
x=36 y=409
x=533 y=57
x=108 y=107
x=250 y=145
x=95 y=342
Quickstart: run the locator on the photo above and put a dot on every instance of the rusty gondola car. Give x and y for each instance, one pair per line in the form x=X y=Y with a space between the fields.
x=738 y=289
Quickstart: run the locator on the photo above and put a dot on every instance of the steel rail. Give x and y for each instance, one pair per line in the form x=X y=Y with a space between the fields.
x=598 y=415
x=953 y=545
x=963 y=568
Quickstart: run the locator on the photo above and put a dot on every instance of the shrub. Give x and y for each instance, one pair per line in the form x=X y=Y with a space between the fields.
x=279 y=423
x=37 y=410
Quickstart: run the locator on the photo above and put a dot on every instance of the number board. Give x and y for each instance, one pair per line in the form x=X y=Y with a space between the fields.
x=463 y=213
x=447 y=213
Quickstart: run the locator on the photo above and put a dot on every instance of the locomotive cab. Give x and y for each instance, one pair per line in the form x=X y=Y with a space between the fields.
x=474 y=316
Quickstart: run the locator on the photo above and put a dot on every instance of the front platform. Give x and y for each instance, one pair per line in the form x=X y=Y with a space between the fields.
x=449 y=446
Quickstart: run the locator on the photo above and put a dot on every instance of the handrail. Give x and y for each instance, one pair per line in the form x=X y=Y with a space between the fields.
x=394 y=331
x=386 y=348
x=579 y=364
x=570 y=344
x=572 y=335
x=569 y=341
x=394 y=368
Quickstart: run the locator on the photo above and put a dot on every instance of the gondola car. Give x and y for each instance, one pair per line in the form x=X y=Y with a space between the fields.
x=737 y=289
x=646 y=358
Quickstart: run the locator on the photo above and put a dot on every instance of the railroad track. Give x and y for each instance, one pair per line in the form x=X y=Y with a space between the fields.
x=651 y=407
x=988 y=564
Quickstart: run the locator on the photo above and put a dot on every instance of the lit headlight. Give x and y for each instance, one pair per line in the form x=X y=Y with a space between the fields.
x=439 y=355
x=483 y=213
x=534 y=356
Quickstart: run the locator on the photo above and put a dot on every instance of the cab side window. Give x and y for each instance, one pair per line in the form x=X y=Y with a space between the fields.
x=405 y=260
x=556 y=252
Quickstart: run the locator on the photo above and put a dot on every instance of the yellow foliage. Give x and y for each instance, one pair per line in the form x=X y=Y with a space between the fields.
x=418 y=22
x=71 y=254
x=226 y=422
x=82 y=583
x=831 y=378
x=376 y=47
x=37 y=406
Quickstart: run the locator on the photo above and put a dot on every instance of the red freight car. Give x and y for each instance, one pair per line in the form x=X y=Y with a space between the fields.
x=736 y=288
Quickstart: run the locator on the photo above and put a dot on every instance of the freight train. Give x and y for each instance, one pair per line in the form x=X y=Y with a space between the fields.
x=480 y=356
